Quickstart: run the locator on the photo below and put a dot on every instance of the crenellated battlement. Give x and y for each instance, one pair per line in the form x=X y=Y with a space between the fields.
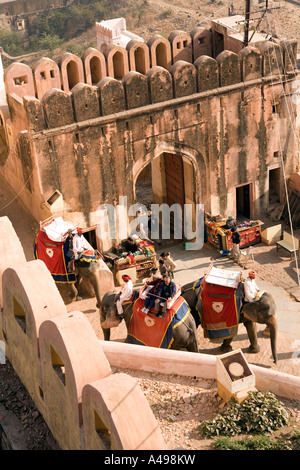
x=75 y=88
x=85 y=128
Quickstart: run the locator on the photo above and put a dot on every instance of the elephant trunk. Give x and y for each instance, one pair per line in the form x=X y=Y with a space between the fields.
x=273 y=339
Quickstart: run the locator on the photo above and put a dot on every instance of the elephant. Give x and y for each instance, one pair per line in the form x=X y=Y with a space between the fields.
x=184 y=335
x=261 y=311
x=93 y=274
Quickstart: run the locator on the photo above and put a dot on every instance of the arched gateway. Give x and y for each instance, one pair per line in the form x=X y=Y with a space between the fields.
x=171 y=177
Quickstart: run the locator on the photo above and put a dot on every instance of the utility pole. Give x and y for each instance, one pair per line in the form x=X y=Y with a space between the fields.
x=247 y=19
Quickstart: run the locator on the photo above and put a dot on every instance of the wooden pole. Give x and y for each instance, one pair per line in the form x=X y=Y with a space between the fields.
x=247 y=18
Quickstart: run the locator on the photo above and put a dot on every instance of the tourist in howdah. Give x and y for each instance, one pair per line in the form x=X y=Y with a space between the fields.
x=152 y=286
x=165 y=292
x=169 y=263
x=162 y=267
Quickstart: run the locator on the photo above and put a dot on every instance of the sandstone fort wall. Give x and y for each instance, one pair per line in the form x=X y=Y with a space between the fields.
x=84 y=128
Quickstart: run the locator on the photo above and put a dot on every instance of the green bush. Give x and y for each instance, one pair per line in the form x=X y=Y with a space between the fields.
x=259 y=413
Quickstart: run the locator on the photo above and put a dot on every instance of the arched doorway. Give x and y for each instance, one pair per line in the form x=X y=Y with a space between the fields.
x=169 y=179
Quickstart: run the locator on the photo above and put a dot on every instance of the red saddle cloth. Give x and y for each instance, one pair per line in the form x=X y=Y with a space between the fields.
x=149 y=330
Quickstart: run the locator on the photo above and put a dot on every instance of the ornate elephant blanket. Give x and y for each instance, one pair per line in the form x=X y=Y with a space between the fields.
x=56 y=255
x=149 y=330
x=219 y=309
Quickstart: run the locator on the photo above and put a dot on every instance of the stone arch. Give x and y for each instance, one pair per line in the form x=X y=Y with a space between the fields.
x=139 y=59
x=18 y=79
x=190 y=153
x=181 y=45
x=195 y=178
x=117 y=61
x=160 y=52
x=94 y=66
x=71 y=68
x=46 y=75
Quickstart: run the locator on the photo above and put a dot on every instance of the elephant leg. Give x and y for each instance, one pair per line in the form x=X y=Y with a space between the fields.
x=252 y=335
x=95 y=283
x=226 y=345
x=273 y=337
x=78 y=282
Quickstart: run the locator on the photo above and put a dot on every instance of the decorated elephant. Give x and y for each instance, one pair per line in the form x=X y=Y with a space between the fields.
x=260 y=311
x=180 y=334
x=90 y=276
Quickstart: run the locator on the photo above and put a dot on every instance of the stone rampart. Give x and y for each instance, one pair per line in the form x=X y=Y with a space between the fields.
x=61 y=363
x=99 y=84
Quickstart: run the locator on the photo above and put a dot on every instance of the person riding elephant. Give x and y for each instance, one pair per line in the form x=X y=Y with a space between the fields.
x=262 y=311
x=184 y=334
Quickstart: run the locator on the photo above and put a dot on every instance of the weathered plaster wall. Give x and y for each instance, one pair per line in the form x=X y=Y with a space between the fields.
x=230 y=115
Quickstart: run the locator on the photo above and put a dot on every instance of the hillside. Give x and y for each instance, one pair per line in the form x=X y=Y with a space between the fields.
x=149 y=17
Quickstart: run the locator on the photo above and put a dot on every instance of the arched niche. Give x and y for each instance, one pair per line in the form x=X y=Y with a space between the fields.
x=160 y=51
x=117 y=61
x=71 y=68
x=139 y=59
x=94 y=66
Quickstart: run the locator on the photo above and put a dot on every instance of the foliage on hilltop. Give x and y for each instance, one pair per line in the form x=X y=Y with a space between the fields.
x=52 y=28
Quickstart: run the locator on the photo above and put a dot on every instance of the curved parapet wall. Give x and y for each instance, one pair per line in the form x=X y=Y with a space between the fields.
x=60 y=361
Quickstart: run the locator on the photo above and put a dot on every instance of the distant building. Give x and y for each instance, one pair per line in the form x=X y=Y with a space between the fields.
x=113 y=32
